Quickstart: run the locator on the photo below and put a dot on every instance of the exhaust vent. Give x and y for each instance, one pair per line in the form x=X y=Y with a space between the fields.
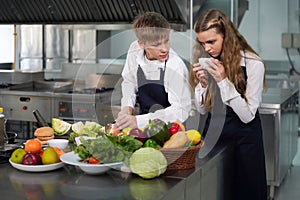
x=87 y=11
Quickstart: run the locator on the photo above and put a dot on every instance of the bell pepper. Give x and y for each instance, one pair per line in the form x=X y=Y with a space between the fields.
x=151 y=143
x=158 y=131
x=173 y=128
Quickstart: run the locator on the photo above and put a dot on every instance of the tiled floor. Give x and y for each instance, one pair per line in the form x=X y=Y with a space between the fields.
x=290 y=187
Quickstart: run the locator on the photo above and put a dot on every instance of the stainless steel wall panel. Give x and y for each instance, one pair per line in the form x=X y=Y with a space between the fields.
x=31 y=41
x=57 y=42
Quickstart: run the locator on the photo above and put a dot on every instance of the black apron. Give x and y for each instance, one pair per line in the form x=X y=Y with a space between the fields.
x=249 y=158
x=151 y=93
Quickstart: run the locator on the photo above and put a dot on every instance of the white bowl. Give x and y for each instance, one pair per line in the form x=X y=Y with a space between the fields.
x=60 y=143
x=73 y=159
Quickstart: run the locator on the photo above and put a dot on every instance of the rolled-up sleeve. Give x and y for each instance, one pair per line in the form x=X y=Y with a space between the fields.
x=200 y=95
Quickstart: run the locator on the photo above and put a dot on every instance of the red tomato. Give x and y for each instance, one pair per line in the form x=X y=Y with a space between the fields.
x=93 y=160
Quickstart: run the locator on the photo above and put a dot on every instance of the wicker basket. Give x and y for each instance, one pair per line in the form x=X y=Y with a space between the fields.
x=181 y=158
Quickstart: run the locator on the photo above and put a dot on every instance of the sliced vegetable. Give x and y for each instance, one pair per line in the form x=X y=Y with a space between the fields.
x=92 y=126
x=93 y=160
x=78 y=127
x=60 y=127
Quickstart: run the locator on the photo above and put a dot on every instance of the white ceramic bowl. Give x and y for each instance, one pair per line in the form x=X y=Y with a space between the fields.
x=60 y=143
x=73 y=159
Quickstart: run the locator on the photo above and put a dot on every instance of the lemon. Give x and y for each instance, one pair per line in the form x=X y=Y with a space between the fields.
x=60 y=127
x=49 y=156
x=193 y=136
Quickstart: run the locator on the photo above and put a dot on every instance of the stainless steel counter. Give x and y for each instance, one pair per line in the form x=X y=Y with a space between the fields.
x=279 y=116
x=273 y=98
x=206 y=181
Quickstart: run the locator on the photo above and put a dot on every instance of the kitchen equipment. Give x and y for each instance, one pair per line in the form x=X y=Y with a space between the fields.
x=20 y=76
x=40 y=119
x=10 y=138
x=67 y=100
x=107 y=12
x=279 y=118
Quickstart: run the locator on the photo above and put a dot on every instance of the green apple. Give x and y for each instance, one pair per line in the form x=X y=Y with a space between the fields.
x=17 y=155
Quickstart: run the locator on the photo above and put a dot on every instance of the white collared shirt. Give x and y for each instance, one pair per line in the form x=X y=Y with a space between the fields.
x=255 y=76
x=176 y=84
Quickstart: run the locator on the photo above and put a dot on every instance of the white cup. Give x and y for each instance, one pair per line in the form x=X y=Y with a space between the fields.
x=203 y=63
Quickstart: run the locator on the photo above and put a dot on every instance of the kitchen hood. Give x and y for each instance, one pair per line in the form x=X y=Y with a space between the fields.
x=112 y=14
x=119 y=13
x=88 y=11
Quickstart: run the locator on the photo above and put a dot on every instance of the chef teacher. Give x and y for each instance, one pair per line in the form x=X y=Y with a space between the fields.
x=237 y=73
x=154 y=76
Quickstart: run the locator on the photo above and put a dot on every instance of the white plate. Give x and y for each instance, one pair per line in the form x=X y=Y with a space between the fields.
x=73 y=159
x=37 y=168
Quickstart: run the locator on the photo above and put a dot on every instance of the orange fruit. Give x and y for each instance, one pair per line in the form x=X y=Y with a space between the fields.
x=33 y=146
x=58 y=151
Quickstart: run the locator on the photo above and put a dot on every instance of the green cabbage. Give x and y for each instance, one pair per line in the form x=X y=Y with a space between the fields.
x=148 y=162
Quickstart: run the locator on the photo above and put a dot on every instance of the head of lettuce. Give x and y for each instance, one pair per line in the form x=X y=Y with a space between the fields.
x=148 y=162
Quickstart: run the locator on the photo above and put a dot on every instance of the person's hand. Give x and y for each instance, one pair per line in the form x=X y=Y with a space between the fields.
x=201 y=74
x=125 y=120
x=216 y=70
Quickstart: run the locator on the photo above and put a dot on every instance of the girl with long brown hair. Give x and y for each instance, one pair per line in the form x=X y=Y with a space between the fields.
x=238 y=73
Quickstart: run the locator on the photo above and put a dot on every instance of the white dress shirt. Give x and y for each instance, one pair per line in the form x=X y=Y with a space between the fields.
x=175 y=82
x=230 y=96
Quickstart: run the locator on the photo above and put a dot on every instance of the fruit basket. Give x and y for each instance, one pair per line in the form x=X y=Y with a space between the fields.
x=181 y=158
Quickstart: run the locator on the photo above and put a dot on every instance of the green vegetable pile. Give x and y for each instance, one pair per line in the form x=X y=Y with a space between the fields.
x=90 y=129
x=108 y=149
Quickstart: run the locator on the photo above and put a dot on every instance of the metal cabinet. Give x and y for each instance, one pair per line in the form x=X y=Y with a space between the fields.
x=279 y=116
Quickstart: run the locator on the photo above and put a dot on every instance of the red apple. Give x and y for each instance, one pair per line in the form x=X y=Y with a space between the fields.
x=31 y=159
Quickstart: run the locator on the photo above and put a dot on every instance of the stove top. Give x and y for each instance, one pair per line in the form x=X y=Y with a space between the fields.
x=91 y=90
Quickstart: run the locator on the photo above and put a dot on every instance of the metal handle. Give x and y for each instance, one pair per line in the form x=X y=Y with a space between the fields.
x=40 y=120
